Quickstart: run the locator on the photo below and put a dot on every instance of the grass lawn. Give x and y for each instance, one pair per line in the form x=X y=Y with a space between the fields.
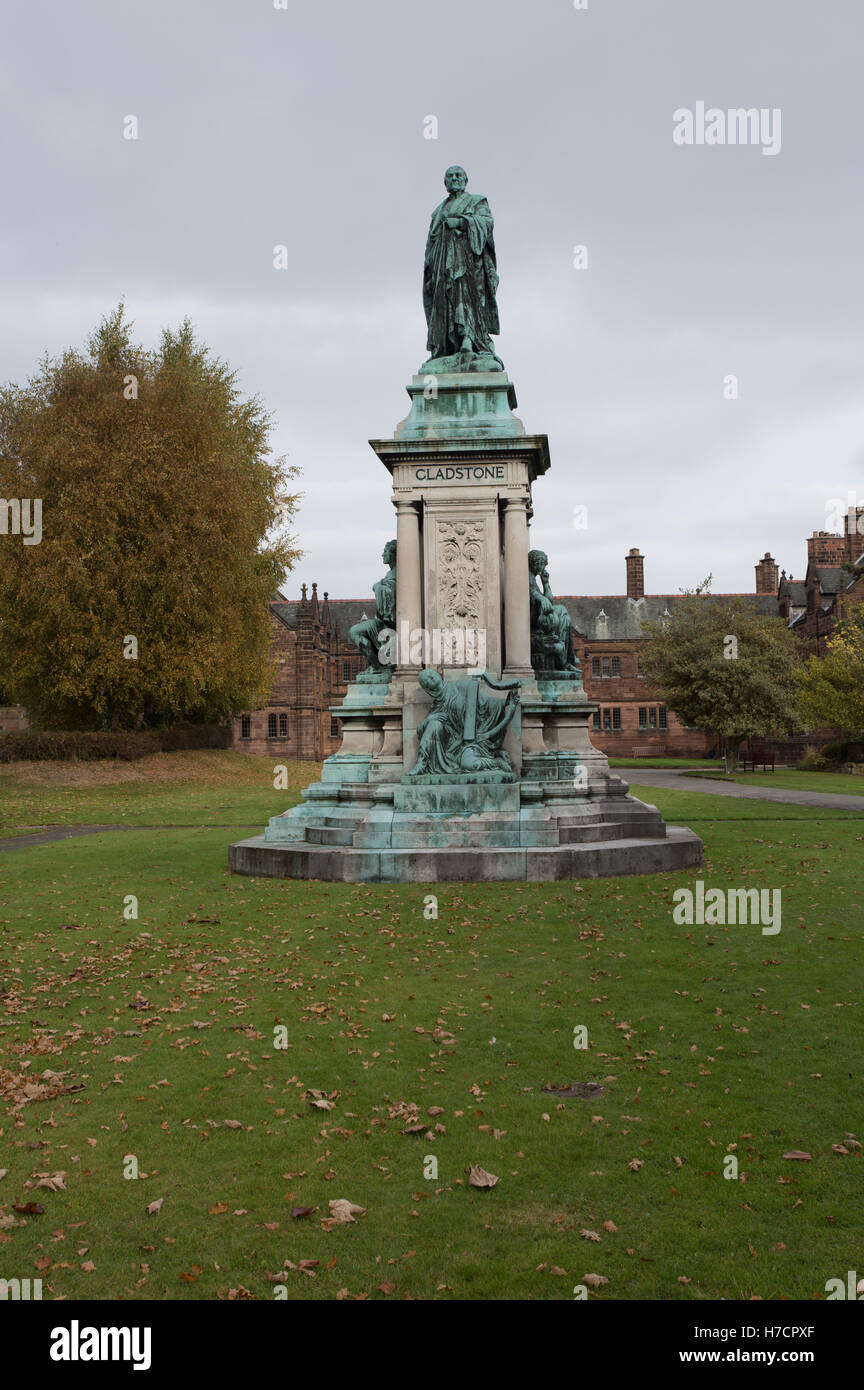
x=197 y=788
x=791 y=780
x=705 y=1041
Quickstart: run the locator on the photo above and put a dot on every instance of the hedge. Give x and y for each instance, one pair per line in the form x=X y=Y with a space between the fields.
x=39 y=745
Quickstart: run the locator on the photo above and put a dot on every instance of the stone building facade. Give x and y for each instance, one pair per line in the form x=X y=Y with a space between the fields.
x=313 y=662
x=833 y=583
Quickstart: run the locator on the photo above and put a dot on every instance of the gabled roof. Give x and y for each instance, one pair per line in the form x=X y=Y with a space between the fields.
x=344 y=612
x=616 y=618
x=830 y=578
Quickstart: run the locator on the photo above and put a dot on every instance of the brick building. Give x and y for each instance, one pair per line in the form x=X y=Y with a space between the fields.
x=314 y=661
x=833 y=583
x=608 y=633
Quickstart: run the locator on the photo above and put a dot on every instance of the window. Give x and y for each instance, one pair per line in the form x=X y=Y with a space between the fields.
x=283 y=726
x=271 y=726
x=349 y=670
x=246 y=727
x=605 y=668
x=643 y=717
x=640 y=671
x=661 y=715
x=595 y=665
x=334 y=728
x=607 y=719
x=596 y=719
x=616 y=666
x=616 y=719
x=652 y=717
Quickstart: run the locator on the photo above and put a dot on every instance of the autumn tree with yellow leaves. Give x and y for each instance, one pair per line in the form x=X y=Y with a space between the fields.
x=831 y=687
x=144 y=603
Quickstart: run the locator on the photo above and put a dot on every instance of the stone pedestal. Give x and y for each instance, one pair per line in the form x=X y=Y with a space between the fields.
x=462 y=468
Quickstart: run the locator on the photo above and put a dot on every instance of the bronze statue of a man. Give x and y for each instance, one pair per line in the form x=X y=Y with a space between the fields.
x=371 y=634
x=460 y=276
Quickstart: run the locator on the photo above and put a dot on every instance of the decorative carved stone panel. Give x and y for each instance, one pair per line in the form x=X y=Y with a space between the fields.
x=461 y=572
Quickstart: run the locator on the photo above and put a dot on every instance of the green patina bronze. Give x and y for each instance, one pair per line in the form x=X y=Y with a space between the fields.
x=552 y=652
x=460 y=280
x=463 y=732
x=373 y=633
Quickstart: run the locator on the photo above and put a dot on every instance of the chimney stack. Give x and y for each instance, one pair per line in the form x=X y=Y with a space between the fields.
x=767 y=579
x=635 y=575
x=824 y=548
x=853 y=533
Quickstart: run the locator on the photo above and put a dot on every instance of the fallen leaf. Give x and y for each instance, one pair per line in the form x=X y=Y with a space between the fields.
x=478 y=1177
x=154 y=1208
x=343 y=1211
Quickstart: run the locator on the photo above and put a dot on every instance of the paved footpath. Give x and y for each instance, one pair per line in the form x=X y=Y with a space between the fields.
x=678 y=782
x=67 y=832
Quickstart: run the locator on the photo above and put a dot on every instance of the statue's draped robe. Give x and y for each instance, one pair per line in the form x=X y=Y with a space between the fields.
x=443 y=747
x=551 y=629
x=385 y=611
x=460 y=277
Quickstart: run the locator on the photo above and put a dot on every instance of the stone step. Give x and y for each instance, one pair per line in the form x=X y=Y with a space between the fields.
x=609 y=831
x=679 y=849
x=329 y=835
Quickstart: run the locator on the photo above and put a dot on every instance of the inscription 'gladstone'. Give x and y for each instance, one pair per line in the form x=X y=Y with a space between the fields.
x=467 y=473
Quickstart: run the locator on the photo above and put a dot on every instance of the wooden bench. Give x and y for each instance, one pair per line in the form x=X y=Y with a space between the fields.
x=754 y=758
x=643 y=750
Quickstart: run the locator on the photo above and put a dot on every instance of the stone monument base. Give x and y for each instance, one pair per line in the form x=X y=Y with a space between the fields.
x=461 y=832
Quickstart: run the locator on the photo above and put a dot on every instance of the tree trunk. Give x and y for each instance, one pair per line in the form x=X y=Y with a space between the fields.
x=732 y=747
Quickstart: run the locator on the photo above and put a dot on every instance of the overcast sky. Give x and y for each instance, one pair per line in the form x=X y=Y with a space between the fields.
x=305 y=126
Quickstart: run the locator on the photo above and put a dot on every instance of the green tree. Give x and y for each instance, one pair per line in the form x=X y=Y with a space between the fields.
x=831 y=687
x=162 y=517
x=726 y=667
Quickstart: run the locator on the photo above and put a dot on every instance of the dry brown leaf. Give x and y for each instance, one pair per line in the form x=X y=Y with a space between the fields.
x=799 y=1154
x=342 y=1211
x=478 y=1177
x=610 y=1227
x=153 y=1208
x=594 y=1281
x=589 y=1235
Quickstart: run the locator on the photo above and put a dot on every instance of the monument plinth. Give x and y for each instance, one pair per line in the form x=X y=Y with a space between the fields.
x=466 y=752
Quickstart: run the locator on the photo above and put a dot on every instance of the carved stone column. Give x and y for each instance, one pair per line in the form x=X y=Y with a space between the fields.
x=517 y=605
x=408 y=582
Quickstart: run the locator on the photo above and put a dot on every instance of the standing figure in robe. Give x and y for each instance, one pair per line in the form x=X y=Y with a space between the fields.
x=460 y=276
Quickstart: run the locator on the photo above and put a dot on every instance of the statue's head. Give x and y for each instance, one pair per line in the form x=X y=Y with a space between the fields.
x=430 y=680
x=455 y=179
x=389 y=553
x=537 y=561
